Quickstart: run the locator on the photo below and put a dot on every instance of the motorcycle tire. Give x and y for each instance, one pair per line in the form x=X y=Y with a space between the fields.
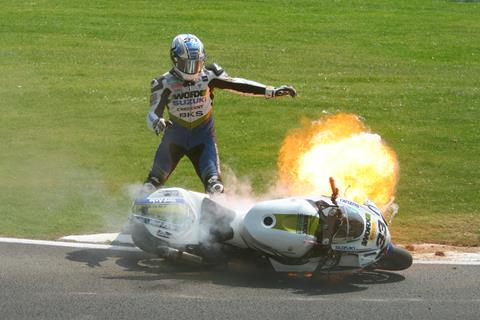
x=143 y=239
x=396 y=259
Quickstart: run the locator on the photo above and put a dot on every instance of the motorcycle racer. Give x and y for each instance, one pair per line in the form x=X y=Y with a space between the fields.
x=186 y=93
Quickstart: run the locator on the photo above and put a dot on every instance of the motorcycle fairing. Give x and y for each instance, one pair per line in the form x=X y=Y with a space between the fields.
x=281 y=228
x=171 y=215
x=295 y=234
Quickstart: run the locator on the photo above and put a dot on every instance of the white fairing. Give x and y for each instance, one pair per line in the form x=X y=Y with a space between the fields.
x=177 y=230
x=262 y=229
x=284 y=230
x=362 y=249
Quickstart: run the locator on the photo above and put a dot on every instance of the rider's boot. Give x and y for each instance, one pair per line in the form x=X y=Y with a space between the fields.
x=214 y=185
x=150 y=185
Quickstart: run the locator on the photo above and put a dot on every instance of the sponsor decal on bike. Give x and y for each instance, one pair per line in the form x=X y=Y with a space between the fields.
x=373 y=230
x=163 y=234
x=345 y=248
x=170 y=193
x=381 y=234
x=350 y=203
x=159 y=224
x=368 y=226
x=166 y=200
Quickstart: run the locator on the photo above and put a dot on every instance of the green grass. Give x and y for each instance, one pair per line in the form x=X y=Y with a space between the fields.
x=74 y=86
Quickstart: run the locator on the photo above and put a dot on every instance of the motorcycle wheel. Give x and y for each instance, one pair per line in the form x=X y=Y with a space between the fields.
x=143 y=240
x=395 y=260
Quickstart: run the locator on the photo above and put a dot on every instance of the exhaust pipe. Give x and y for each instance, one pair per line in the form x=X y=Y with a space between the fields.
x=175 y=254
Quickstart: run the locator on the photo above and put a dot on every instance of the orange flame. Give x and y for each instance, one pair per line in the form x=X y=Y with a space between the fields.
x=338 y=146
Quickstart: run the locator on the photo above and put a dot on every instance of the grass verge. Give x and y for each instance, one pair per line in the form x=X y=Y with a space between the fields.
x=74 y=80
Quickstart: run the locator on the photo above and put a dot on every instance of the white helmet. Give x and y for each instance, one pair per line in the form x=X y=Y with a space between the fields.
x=188 y=56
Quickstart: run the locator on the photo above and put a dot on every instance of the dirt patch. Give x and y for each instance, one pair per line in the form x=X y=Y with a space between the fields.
x=434 y=248
x=437 y=253
x=437 y=249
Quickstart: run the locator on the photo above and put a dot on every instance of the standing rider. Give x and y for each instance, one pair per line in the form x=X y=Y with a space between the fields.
x=186 y=91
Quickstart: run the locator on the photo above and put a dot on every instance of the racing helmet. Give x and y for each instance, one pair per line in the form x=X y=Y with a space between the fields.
x=188 y=56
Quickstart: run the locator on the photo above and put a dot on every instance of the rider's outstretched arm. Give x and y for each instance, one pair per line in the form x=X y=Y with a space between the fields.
x=158 y=101
x=221 y=80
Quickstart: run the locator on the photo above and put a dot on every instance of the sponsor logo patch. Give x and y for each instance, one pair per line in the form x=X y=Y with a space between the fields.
x=346 y=248
x=372 y=232
x=350 y=203
x=197 y=97
x=368 y=227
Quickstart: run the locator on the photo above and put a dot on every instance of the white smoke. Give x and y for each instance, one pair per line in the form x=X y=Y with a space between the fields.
x=133 y=191
x=391 y=212
x=238 y=194
x=51 y=195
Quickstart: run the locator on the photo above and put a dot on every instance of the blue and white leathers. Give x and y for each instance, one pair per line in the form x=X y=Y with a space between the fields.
x=189 y=106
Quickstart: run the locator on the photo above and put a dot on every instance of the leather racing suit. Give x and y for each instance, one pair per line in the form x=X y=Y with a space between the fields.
x=189 y=106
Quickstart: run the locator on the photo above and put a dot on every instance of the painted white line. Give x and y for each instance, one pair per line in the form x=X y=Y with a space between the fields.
x=68 y=244
x=388 y=300
x=84 y=293
x=85 y=241
x=116 y=238
x=95 y=238
x=449 y=257
x=448 y=262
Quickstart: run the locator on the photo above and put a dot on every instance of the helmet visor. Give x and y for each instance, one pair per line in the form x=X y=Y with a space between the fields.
x=189 y=66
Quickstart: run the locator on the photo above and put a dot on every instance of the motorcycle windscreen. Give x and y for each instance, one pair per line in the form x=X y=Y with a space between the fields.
x=174 y=213
x=351 y=228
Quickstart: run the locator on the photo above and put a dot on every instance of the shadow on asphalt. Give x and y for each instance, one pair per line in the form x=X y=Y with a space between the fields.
x=140 y=266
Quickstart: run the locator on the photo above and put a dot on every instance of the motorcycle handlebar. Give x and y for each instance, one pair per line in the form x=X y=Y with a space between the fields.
x=334 y=191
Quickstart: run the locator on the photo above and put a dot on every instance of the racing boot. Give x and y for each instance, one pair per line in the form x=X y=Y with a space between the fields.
x=150 y=186
x=214 y=186
x=147 y=189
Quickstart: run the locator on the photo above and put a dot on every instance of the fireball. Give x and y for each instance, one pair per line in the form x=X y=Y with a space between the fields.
x=342 y=147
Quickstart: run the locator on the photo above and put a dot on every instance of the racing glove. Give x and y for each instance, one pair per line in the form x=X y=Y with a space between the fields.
x=283 y=90
x=160 y=125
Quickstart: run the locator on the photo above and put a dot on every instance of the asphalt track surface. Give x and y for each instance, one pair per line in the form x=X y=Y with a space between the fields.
x=44 y=282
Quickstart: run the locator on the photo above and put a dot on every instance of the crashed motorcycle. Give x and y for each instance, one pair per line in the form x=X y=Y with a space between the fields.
x=294 y=235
